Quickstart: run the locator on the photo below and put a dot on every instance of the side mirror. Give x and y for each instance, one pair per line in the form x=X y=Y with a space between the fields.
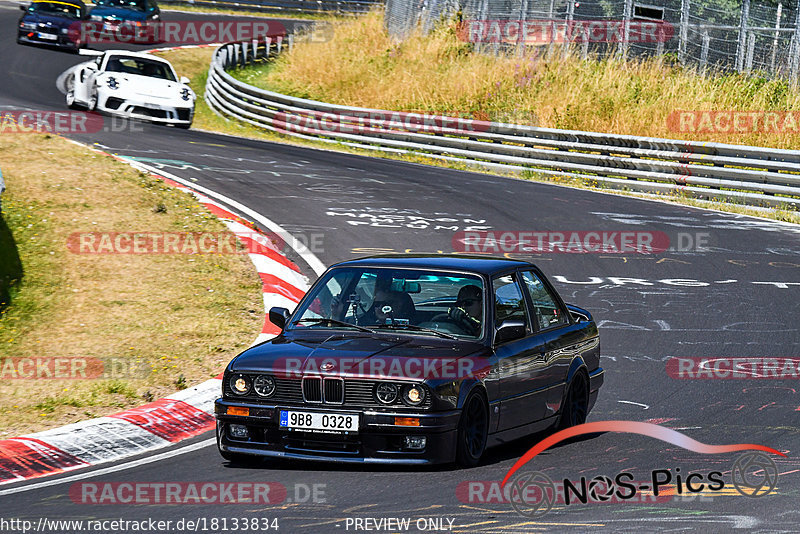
x=23 y=8
x=509 y=331
x=279 y=316
x=185 y=80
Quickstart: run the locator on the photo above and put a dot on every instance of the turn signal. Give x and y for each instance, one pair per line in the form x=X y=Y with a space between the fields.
x=406 y=421
x=237 y=410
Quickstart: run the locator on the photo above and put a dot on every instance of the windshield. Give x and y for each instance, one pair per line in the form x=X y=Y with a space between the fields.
x=138 y=5
x=62 y=9
x=425 y=302
x=140 y=66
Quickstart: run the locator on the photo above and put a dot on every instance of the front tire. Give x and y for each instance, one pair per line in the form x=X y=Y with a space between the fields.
x=70 y=97
x=576 y=404
x=473 y=431
x=92 y=104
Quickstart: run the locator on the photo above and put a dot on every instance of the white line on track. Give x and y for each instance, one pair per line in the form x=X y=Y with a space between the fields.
x=113 y=469
x=316 y=265
x=645 y=406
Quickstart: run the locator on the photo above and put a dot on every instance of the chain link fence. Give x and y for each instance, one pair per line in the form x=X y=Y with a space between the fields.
x=732 y=35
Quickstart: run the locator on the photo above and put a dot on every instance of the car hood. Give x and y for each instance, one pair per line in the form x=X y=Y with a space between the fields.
x=145 y=85
x=365 y=356
x=52 y=21
x=118 y=12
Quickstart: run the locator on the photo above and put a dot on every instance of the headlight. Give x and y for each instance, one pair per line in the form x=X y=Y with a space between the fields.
x=28 y=25
x=186 y=94
x=264 y=385
x=64 y=30
x=112 y=83
x=96 y=18
x=240 y=384
x=386 y=393
x=413 y=395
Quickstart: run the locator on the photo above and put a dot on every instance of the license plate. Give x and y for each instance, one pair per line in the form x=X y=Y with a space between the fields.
x=319 y=421
x=47 y=36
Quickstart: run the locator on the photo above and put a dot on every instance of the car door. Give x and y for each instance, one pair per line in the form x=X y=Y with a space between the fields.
x=519 y=361
x=552 y=323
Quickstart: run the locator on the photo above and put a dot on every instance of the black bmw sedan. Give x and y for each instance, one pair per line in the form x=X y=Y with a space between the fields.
x=412 y=360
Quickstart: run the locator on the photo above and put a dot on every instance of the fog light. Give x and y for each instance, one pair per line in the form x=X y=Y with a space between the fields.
x=415 y=442
x=239 y=432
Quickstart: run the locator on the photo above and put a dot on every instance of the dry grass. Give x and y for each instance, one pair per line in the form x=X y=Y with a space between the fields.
x=183 y=329
x=363 y=66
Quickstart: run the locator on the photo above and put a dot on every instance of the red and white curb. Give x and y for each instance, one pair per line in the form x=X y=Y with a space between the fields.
x=181 y=415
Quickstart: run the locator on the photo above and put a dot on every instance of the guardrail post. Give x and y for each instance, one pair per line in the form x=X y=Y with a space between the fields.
x=291 y=41
x=236 y=54
x=585 y=51
x=255 y=48
x=741 y=49
x=268 y=44
x=244 y=54
x=684 y=39
x=279 y=44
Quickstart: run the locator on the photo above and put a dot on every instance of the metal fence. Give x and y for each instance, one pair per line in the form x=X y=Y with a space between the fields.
x=749 y=175
x=740 y=35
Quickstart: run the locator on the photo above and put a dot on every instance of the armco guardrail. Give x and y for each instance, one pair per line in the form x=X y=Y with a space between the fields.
x=738 y=173
x=338 y=7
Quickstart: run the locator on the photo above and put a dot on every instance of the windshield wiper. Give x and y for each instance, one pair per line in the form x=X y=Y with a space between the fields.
x=415 y=328
x=334 y=322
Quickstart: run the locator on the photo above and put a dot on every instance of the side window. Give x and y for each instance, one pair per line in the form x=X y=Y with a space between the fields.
x=547 y=312
x=508 y=301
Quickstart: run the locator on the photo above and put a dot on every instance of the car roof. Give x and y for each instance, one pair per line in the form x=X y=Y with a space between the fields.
x=487 y=265
x=76 y=3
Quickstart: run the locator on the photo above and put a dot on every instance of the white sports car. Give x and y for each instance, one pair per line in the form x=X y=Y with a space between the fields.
x=133 y=85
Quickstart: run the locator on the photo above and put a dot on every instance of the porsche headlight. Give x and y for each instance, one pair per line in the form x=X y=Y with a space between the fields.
x=240 y=384
x=186 y=94
x=264 y=385
x=413 y=395
x=386 y=393
x=112 y=83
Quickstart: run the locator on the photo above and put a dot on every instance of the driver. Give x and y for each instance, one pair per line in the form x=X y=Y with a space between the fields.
x=468 y=309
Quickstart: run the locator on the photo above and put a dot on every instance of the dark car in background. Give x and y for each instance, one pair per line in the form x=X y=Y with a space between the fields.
x=116 y=13
x=55 y=23
x=412 y=360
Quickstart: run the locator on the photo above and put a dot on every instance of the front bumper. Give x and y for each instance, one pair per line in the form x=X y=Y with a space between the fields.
x=378 y=440
x=61 y=41
x=141 y=109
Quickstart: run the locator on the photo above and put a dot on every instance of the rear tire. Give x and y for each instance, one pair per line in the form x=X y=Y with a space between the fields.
x=576 y=403
x=473 y=431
